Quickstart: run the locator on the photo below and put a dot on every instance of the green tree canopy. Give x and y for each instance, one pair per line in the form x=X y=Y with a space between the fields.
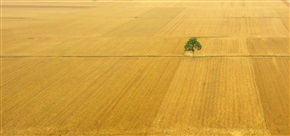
x=192 y=44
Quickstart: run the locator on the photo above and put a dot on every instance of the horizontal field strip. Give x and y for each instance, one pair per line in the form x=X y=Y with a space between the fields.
x=210 y=37
x=152 y=56
x=40 y=6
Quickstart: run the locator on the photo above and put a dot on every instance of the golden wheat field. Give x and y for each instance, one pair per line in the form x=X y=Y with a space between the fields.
x=117 y=67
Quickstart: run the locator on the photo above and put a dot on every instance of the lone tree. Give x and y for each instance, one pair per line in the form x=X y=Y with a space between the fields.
x=192 y=44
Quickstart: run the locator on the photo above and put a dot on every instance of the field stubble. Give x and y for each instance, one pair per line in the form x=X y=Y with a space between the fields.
x=118 y=68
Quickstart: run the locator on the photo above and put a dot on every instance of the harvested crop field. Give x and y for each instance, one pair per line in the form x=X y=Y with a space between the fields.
x=118 y=68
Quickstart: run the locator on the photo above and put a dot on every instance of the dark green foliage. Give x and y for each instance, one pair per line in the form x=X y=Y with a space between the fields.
x=192 y=44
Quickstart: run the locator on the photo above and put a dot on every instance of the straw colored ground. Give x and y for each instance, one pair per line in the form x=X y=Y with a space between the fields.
x=99 y=67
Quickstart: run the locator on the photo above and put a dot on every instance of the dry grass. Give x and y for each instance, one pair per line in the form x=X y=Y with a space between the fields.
x=94 y=68
x=145 y=95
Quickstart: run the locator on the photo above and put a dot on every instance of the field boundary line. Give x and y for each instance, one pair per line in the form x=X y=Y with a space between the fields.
x=152 y=56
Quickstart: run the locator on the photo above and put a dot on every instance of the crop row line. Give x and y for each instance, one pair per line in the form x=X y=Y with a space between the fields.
x=151 y=56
